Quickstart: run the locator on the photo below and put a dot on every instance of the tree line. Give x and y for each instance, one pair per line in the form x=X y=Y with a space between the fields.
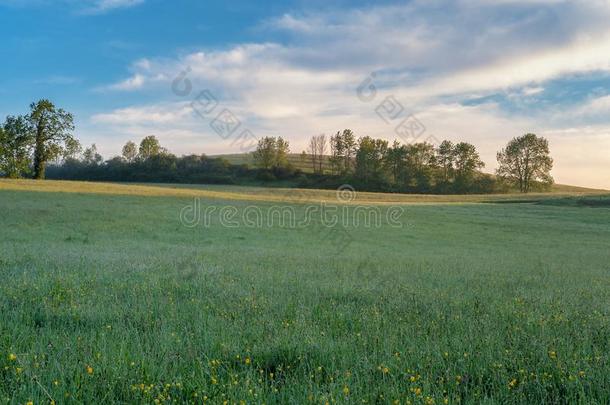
x=41 y=144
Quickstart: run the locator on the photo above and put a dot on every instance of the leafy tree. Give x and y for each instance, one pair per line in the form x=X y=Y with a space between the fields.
x=370 y=159
x=445 y=159
x=15 y=147
x=91 y=157
x=282 y=149
x=421 y=162
x=72 y=148
x=130 y=151
x=336 y=153
x=525 y=160
x=150 y=147
x=467 y=162
x=264 y=155
x=349 y=150
x=272 y=153
x=343 y=151
x=52 y=129
x=395 y=161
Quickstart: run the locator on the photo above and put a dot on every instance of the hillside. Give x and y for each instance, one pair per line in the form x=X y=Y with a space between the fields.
x=305 y=164
x=285 y=195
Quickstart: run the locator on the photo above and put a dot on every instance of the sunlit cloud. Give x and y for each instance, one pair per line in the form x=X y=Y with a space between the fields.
x=432 y=56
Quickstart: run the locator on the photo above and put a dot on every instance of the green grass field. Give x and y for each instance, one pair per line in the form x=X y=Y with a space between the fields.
x=106 y=297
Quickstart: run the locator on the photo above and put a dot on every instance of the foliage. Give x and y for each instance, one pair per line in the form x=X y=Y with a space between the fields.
x=370 y=158
x=91 y=157
x=272 y=153
x=29 y=143
x=343 y=149
x=130 y=151
x=149 y=147
x=15 y=147
x=52 y=129
x=377 y=166
x=525 y=161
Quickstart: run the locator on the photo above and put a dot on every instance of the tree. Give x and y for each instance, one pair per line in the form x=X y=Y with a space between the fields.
x=313 y=152
x=526 y=160
x=52 y=129
x=395 y=161
x=317 y=150
x=264 y=155
x=15 y=147
x=72 y=148
x=445 y=158
x=271 y=153
x=370 y=157
x=336 y=153
x=420 y=166
x=150 y=147
x=91 y=157
x=130 y=152
x=343 y=148
x=467 y=162
x=322 y=147
x=349 y=150
x=282 y=149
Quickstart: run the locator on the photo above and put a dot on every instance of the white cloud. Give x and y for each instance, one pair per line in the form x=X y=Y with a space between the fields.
x=102 y=6
x=85 y=6
x=132 y=83
x=150 y=115
x=424 y=53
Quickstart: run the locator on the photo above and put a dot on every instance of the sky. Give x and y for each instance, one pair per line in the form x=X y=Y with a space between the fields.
x=210 y=76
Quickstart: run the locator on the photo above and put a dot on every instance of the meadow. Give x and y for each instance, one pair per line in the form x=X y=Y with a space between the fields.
x=107 y=297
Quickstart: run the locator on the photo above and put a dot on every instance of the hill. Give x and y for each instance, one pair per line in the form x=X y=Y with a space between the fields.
x=287 y=195
x=305 y=164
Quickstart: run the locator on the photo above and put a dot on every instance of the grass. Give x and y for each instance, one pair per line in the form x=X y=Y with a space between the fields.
x=262 y=194
x=297 y=161
x=107 y=297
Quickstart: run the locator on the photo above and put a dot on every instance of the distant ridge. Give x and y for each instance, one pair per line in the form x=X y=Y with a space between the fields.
x=305 y=165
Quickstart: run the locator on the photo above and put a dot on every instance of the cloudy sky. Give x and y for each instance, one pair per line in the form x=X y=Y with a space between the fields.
x=481 y=71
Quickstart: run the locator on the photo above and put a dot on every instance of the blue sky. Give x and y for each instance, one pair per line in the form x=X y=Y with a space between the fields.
x=476 y=70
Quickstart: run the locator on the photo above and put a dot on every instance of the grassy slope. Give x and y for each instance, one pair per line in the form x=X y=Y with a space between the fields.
x=295 y=159
x=508 y=302
x=242 y=193
x=306 y=166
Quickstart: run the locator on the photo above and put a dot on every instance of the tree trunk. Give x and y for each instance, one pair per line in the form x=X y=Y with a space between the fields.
x=39 y=161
